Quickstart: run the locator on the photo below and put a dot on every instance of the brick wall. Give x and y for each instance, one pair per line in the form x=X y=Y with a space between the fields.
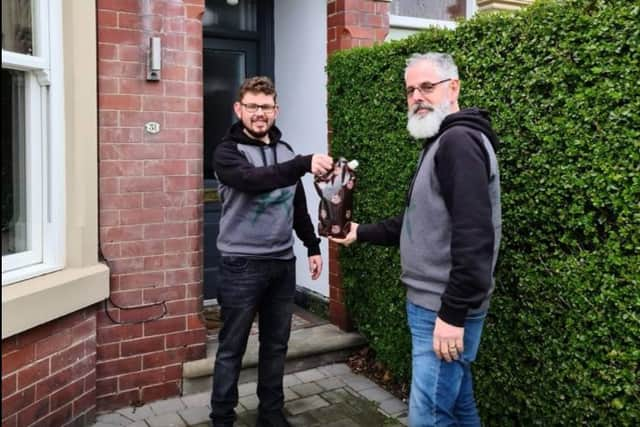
x=151 y=199
x=350 y=23
x=48 y=373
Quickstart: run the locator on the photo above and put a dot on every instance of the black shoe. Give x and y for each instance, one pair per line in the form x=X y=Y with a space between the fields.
x=272 y=419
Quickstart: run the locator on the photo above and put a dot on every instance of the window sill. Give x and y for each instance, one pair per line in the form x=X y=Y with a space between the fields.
x=45 y=298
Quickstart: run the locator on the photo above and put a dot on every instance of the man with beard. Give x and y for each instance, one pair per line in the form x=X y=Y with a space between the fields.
x=449 y=234
x=263 y=201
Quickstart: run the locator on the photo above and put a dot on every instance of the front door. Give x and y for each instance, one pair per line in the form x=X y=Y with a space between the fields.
x=237 y=43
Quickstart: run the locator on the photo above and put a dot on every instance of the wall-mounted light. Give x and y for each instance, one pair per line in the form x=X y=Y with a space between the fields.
x=232 y=2
x=154 y=63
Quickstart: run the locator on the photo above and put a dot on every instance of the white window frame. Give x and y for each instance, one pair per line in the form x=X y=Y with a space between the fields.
x=412 y=23
x=44 y=147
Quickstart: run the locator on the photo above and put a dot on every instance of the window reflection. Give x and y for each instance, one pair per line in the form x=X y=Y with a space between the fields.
x=17 y=33
x=219 y=15
x=13 y=195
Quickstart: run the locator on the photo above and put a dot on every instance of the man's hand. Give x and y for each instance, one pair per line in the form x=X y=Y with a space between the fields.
x=349 y=238
x=315 y=266
x=448 y=340
x=321 y=164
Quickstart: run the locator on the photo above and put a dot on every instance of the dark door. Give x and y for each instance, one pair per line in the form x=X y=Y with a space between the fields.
x=237 y=43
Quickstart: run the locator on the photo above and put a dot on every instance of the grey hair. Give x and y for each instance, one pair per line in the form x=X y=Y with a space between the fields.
x=445 y=66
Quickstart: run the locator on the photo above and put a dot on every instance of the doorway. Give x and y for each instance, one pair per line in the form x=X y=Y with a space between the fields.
x=237 y=43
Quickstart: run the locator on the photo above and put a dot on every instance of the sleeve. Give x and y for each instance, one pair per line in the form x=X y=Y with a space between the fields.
x=302 y=222
x=384 y=233
x=461 y=168
x=234 y=170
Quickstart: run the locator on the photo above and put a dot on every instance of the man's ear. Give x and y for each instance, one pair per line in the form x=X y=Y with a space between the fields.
x=237 y=107
x=454 y=88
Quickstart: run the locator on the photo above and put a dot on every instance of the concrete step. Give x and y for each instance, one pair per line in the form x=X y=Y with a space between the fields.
x=308 y=348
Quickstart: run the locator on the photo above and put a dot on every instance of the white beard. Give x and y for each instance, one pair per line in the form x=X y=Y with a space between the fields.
x=426 y=126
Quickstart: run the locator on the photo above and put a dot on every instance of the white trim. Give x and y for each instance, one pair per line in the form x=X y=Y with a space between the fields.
x=44 y=147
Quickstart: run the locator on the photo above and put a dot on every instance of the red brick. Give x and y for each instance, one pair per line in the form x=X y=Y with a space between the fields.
x=33 y=412
x=173 y=72
x=194 y=89
x=165 y=326
x=108 y=351
x=107 y=18
x=52 y=344
x=194 y=74
x=120 y=135
x=165 y=293
x=142 y=248
x=53 y=383
x=184 y=120
x=109 y=168
x=141 y=379
x=141 y=280
x=174 y=41
x=154 y=263
x=182 y=214
x=160 y=231
x=163 y=103
x=164 y=358
x=165 y=167
x=182 y=307
x=161 y=391
x=85 y=402
x=118 y=367
x=194 y=136
x=194 y=44
x=121 y=234
x=141 y=184
x=180 y=277
x=132 y=53
x=124 y=299
x=137 y=86
x=107 y=386
x=194 y=321
x=107 y=52
x=59 y=417
x=141 y=216
x=179 y=183
x=67 y=394
x=173 y=373
x=117 y=401
x=107 y=118
x=33 y=373
x=18 y=401
x=85 y=329
x=107 y=85
x=9 y=385
x=120 y=201
x=11 y=421
x=118 y=333
x=186 y=338
x=194 y=290
x=119 y=36
x=139 y=118
x=120 y=69
x=67 y=357
x=142 y=314
x=142 y=345
x=137 y=151
x=196 y=352
x=130 y=20
x=167 y=135
x=15 y=360
x=119 y=102
x=194 y=12
x=118 y=5
x=183 y=151
x=84 y=366
x=194 y=228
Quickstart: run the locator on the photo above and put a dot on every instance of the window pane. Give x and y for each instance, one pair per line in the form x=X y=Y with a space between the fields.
x=17 y=32
x=13 y=200
x=219 y=15
x=443 y=10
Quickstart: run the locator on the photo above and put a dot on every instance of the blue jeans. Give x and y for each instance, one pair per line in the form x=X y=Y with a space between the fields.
x=441 y=392
x=249 y=286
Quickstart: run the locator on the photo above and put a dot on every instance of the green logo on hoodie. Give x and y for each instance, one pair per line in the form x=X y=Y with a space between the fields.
x=275 y=198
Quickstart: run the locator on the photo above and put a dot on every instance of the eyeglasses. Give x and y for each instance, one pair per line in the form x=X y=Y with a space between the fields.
x=424 y=87
x=266 y=108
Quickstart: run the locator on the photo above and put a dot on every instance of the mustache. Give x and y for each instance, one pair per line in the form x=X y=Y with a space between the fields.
x=421 y=105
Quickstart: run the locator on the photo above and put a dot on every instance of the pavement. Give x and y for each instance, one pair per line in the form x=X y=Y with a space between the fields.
x=330 y=396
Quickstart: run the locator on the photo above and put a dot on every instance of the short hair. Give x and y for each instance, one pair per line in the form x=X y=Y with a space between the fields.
x=257 y=84
x=445 y=66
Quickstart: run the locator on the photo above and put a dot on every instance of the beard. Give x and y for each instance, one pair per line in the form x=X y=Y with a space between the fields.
x=258 y=135
x=426 y=126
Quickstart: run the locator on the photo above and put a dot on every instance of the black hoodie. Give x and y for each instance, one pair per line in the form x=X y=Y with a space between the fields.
x=450 y=230
x=262 y=197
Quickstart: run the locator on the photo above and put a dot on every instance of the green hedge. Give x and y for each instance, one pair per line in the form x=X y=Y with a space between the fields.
x=562 y=340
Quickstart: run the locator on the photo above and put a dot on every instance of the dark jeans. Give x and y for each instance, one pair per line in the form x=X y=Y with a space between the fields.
x=249 y=286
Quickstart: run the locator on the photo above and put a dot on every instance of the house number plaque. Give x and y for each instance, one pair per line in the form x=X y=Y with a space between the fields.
x=152 y=127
